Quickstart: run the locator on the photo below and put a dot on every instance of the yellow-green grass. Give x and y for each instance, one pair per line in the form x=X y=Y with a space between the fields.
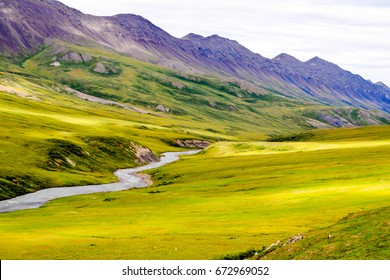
x=210 y=205
x=234 y=196
x=373 y=133
x=362 y=235
x=230 y=108
x=35 y=107
x=34 y=112
x=228 y=149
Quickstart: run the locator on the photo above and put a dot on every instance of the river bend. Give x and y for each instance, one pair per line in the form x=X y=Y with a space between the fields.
x=127 y=179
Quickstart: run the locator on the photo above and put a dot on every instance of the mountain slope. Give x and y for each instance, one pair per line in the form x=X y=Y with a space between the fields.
x=362 y=236
x=27 y=25
x=44 y=112
x=331 y=83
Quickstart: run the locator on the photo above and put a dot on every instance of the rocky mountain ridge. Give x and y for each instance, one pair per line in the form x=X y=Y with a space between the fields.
x=27 y=25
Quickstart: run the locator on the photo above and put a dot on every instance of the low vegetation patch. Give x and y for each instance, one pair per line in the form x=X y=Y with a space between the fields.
x=248 y=254
x=299 y=137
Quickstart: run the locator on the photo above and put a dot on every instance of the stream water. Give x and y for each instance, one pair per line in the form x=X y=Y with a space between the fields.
x=127 y=180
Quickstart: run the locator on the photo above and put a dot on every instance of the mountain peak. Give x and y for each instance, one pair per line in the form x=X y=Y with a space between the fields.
x=214 y=37
x=193 y=36
x=317 y=61
x=133 y=19
x=324 y=65
x=286 y=58
x=382 y=84
x=130 y=16
x=217 y=37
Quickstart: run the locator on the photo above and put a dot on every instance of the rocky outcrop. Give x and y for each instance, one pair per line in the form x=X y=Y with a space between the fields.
x=335 y=121
x=145 y=155
x=346 y=117
x=72 y=57
x=105 y=69
x=201 y=144
x=294 y=239
x=75 y=57
x=162 y=108
x=100 y=68
x=86 y=57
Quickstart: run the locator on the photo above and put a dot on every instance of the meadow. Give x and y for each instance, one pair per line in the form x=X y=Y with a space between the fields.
x=45 y=128
x=358 y=236
x=267 y=176
x=232 y=197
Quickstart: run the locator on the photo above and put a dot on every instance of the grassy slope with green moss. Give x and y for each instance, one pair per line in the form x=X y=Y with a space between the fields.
x=364 y=236
x=239 y=194
x=246 y=197
x=36 y=110
x=32 y=127
x=199 y=98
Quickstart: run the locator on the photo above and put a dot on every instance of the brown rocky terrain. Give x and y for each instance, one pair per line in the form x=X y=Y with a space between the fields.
x=192 y=143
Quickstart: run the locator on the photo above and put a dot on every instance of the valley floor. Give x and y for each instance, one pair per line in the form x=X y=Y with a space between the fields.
x=232 y=197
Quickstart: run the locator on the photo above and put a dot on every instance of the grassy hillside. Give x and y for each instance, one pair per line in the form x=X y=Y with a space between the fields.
x=40 y=116
x=238 y=194
x=204 y=99
x=230 y=198
x=364 y=235
x=238 y=106
x=41 y=123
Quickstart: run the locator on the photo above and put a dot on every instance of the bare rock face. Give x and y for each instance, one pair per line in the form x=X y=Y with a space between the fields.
x=76 y=57
x=194 y=143
x=145 y=155
x=105 y=69
x=72 y=57
x=335 y=121
x=294 y=239
x=318 y=124
x=100 y=68
x=162 y=108
x=86 y=57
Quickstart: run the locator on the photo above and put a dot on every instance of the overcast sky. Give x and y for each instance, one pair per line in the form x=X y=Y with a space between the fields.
x=355 y=34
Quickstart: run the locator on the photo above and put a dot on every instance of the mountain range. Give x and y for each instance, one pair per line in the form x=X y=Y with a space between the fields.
x=28 y=25
x=82 y=96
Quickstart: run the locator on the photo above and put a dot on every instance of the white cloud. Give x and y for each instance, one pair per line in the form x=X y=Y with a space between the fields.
x=352 y=33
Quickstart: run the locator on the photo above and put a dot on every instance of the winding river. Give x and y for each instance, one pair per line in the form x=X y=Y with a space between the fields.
x=128 y=179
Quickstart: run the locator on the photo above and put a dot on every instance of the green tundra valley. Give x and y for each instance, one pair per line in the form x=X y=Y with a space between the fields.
x=288 y=168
